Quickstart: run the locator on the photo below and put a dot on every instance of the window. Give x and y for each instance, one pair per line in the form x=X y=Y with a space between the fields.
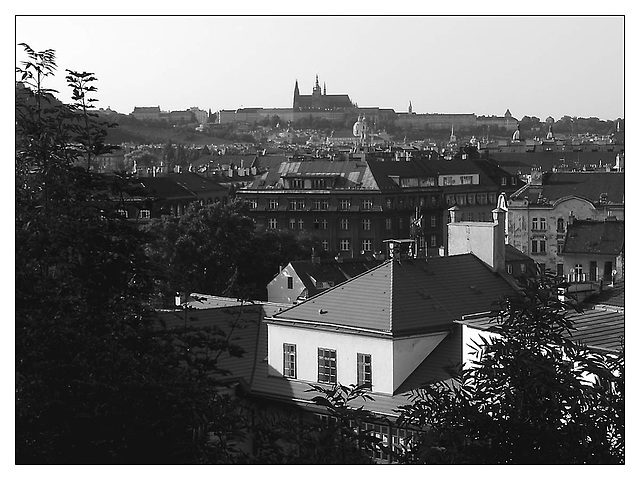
x=317 y=183
x=297 y=183
x=366 y=224
x=316 y=224
x=292 y=223
x=560 y=247
x=387 y=224
x=543 y=223
x=401 y=223
x=560 y=269
x=301 y=224
x=289 y=360
x=466 y=179
x=538 y=246
x=272 y=223
x=366 y=245
x=273 y=204
x=513 y=180
x=389 y=202
x=296 y=204
x=290 y=283
x=345 y=204
x=492 y=199
x=471 y=199
x=364 y=369
x=145 y=213
x=324 y=224
x=316 y=204
x=504 y=180
x=253 y=203
x=510 y=269
x=451 y=200
x=534 y=223
x=345 y=245
x=327 y=366
x=482 y=198
x=433 y=241
x=325 y=245
x=560 y=225
x=367 y=204
x=433 y=220
x=344 y=224
x=461 y=199
x=123 y=213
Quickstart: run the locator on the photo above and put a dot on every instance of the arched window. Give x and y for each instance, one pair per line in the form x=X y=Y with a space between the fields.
x=560 y=227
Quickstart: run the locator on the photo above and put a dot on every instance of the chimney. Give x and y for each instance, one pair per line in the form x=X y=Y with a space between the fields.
x=571 y=217
x=498 y=239
x=453 y=214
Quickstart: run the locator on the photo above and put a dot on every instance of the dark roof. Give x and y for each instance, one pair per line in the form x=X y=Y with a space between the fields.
x=610 y=296
x=591 y=237
x=407 y=296
x=330 y=271
x=164 y=187
x=585 y=185
x=598 y=328
x=197 y=183
x=512 y=254
x=516 y=162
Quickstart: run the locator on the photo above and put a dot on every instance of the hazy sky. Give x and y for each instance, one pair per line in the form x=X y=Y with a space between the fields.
x=531 y=65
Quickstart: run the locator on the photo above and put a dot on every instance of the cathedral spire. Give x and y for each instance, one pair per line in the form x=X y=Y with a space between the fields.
x=410 y=107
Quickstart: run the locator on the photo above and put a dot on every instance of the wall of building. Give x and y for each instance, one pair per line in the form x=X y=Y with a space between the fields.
x=409 y=353
x=278 y=290
x=347 y=346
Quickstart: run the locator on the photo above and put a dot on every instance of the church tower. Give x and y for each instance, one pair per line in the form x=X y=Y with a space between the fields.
x=410 y=107
x=296 y=94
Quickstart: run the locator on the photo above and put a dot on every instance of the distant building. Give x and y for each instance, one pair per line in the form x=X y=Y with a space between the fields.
x=319 y=100
x=146 y=113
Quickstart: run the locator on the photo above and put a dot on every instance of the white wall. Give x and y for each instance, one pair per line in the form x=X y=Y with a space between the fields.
x=347 y=346
x=473 y=237
x=409 y=353
x=277 y=290
x=469 y=336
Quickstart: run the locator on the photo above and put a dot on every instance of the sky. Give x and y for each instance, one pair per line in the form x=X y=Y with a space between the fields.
x=532 y=65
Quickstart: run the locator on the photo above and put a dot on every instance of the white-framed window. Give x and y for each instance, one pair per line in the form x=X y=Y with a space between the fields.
x=344 y=224
x=324 y=224
x=317 y=183
x=273 y=204
x=296 y=204
x=345 y=203
x=366 y=245
x=364 y=376
x=345 y=245
x=122 y=213
x=366 y=224
x=367 y=204
x=253 y=203
x=509 y=269
x=327 y=366
x=461 y=199
x=434 y=220
x=292 y=223
x=466 y=179
x=289 y=360
x=297 y=183
x=300 y=224
x=504 y=180
x=433 y=241
x=325 y=245
x=534 y=223
x=482 y=198
x=387 y=224
x=543 y=223
x=492 y=198
x=145 y=213
x=272 y=223
x=316 y=203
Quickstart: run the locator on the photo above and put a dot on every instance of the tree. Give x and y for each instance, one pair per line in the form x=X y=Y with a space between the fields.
x=533 y=396
x=98 y=377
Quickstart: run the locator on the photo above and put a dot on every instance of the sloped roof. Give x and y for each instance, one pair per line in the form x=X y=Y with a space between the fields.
x=330 y=271
x=597 y=327
x=197 y=183
x=590 y=237
x=163 y=187
x=524 y=161
x=512 y=254
x=407 y=296
x=585 y=185
x=609 y=297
